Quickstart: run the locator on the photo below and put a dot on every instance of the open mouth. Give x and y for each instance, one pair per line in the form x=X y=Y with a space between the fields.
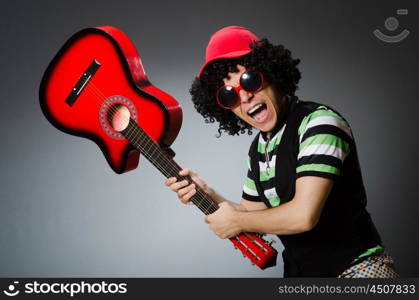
x=258 y=112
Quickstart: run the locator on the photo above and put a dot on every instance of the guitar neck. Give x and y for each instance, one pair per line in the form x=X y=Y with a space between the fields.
x=164 y=163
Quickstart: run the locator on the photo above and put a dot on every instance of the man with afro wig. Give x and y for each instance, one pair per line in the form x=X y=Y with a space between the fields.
x=304 y=182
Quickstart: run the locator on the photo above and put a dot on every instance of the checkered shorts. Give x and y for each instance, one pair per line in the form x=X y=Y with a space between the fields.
x=379 y=265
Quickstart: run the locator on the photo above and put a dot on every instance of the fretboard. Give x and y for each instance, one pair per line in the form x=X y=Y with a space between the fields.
x=164 y=163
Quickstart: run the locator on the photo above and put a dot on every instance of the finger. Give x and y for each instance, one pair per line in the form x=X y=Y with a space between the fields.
x=208 y=219
x=170 y=180
x=178 y=185
x=184 y=191
x=185 y=199
x=184 y=172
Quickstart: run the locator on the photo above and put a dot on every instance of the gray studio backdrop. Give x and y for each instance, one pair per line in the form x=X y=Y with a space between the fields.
x=63 y=212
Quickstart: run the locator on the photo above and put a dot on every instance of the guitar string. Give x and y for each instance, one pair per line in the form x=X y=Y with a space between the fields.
x=204 y=202
x=209 y=205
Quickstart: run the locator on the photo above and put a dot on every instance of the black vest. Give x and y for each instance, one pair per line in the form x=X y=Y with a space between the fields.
x=345 y=229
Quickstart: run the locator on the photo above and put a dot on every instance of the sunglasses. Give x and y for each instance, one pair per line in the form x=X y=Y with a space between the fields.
x=228 y=96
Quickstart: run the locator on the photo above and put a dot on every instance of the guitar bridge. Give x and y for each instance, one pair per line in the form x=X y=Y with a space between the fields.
x=82 y=82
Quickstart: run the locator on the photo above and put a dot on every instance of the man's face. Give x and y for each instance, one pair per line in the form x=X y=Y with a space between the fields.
x=259 y=109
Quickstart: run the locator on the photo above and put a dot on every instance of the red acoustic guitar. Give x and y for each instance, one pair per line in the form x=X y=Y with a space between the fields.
x=96 y=87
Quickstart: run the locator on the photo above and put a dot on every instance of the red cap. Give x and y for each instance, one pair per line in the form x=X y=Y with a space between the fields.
x=228 y=42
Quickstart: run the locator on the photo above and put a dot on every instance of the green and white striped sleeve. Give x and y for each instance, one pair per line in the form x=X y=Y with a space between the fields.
x=325 y=142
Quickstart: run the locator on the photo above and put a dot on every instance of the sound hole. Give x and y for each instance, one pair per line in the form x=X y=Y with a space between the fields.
x=118 y=117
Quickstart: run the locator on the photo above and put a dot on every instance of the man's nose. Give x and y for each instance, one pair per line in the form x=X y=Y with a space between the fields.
x=245 y=96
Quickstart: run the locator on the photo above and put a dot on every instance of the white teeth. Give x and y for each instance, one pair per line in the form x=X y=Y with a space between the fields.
x=254 y=109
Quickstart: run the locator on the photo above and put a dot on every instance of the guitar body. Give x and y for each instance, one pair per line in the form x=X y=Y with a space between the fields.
x=97 y=70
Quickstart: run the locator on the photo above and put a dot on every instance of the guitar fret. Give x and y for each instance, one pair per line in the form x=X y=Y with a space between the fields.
x=153 y=153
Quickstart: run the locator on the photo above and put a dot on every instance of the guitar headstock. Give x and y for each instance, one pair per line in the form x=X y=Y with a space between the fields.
x=259 y=251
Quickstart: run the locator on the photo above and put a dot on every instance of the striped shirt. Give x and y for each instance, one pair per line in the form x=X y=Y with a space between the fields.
x=324 y=143
x=319 y=143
